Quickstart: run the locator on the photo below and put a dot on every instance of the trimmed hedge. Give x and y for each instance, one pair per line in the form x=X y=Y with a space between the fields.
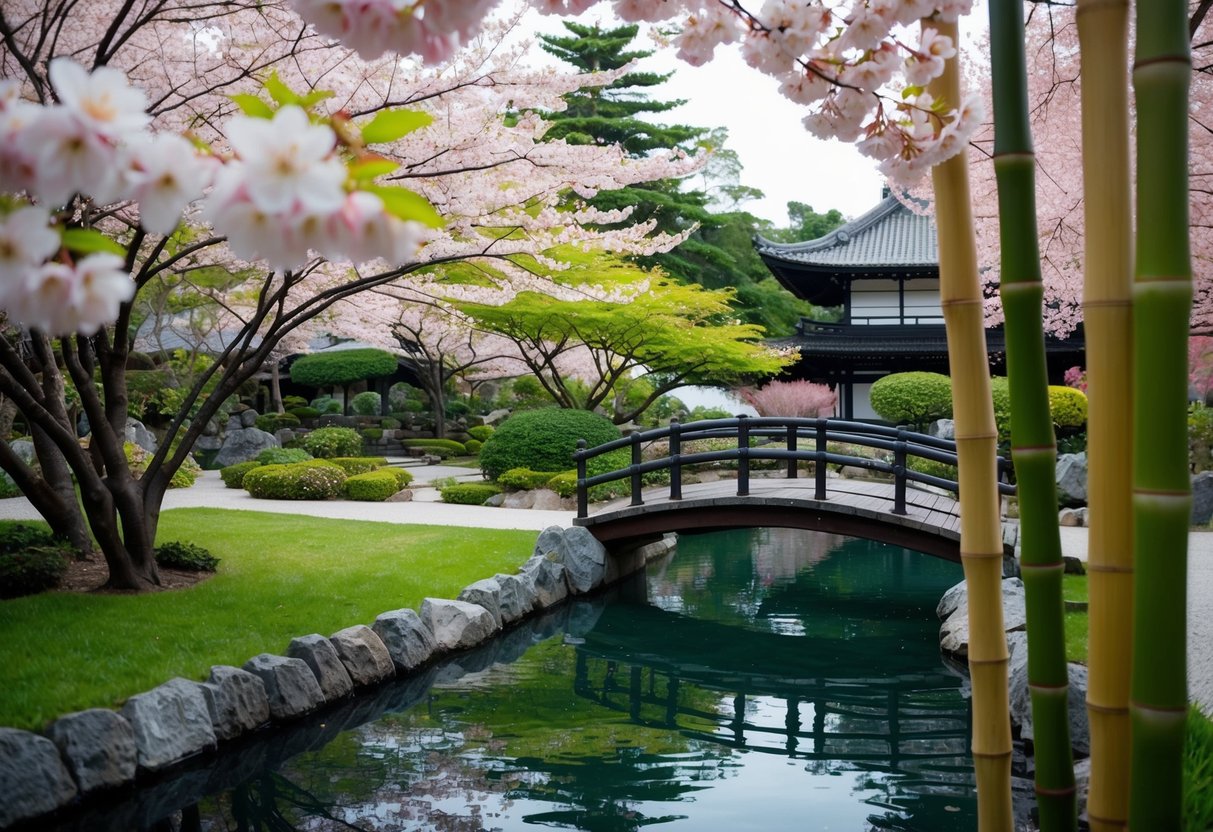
x=389 y=423
x=1067 y=406
x=480 y=433
x=325 y=443
x=342 y=367
x=31 y=560
x=282 y=456
x=523 y=479
x=316 y=479
x=366 y=404
x=371 y=434
x=358 y=464
x=436 y=450
x=376 y=486
x=305 y=412
x=469 y=494
x=473 y=446
x=914 y=399
x=457 y=448
x=175 y=554
x=564 y=484
x=542 y=440
x=270 y=422
x=233 y=475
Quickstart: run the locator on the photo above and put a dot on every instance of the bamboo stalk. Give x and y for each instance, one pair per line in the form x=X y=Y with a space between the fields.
x=1162 y=298
x=1033 y=446
x=1107 y=297
x=976 y=448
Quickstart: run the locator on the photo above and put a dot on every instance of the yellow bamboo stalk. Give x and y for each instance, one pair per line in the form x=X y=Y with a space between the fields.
x=1107 y=305
x=976 y=449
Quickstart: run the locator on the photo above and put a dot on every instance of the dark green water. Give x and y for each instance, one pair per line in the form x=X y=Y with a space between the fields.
x=764 y=680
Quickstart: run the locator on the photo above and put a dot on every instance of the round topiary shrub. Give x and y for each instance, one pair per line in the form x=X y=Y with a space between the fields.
x=316 y=479
x=326 y=404
x=366 y=404
x=480 y=432
x=914 y=399
x=342 y=367
x=270 y=422
x=305 y=412
x=469 y=493
x=373 y=486
x=1067 y=406
x=456 y=448
x=233 y=475
x=543 y=440
x=473 y=446
x=329 y=442
x=282 y=456
x=523 y=479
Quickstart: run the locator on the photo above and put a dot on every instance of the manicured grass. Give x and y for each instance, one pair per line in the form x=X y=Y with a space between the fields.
x=281 y=576
x=1198 y=773
x=1074 y=588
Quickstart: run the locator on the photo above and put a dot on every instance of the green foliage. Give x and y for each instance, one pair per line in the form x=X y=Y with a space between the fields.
x=806 y=224
x=481 y=432
x=291 y=402
x=1073 y=444
x=442 y=451
x=703 y=413
x=564 y=483
x=175 y=554
x=325 y=443
x=371 y=434
x=1198 y=772
x=447 y=444
x=326 y=405
x=358 y=464
x=542 y=440
x=31 y=560
x=375 y=486
x=280 y=456
x=366 y=404
x=305 y=412
x=523 y=479
x=342 y=367
x=316 y=479
x=913 y=399
x=1200 y=437
x=617 y=460
x=8 y=488
x=1067 y=406
x=1000 y=389
x=233 y=475
x=473 y=446
x=931 y=467
x=469 y=494
x=271 y=422
x=389 y=423
x=138 y=460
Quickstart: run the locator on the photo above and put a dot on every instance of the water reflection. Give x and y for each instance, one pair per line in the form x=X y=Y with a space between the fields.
x=765 y=680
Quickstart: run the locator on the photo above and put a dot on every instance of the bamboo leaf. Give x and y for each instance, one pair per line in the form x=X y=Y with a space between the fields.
x=89 y=241
x=408 y=205
x=390 y=125
x=253 y=106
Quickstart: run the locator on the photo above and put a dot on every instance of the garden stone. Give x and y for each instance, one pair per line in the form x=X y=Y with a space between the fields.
x=208 y=443
x=517 y=597
x=951 y=599
x=943 y=428
x=485 y=593
x=404 y=495
x=1021 y=706
x=233 y=424
x=171 y=723
x=1202 y=498
x=243 y=445
x=138 y=433
x=364 y=655
x=290 y=685
x=211 y=428
x=456 y=624
x=520 y=499
x=954 y=634
x=284 y=435
x=584 y=559
x=318 y=653
x=1072 y=479
x=548 y=578
x=408 y=641
x=24 y=449
x=496 y=416
x=236 y=700
x=98 y=746
x=248 y=418
x=550 y=540
x=1069 y=517
x=33 y=779
x=547 y=500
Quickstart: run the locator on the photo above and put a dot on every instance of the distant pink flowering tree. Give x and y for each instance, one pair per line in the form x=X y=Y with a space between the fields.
x=792 y=398
x=1200 y=364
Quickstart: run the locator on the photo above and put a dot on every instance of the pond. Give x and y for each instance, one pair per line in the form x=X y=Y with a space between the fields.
x=761 y=679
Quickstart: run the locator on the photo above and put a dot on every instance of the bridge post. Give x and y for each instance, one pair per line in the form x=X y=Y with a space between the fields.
x=792 y=461
x=820 y=465
x=743 y=455
x=899 y=473
x=637 y=485
x=675 y=460
x=583 y=502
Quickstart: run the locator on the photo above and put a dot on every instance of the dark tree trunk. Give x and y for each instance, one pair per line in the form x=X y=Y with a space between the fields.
x=67 y=521
x=276 y=389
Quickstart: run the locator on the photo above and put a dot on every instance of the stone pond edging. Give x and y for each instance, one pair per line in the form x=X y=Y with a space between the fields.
x=97 y=750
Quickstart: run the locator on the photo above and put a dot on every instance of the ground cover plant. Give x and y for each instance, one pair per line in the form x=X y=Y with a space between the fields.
x=281 y=576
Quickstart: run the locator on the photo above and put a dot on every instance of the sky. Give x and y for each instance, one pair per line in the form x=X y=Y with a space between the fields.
x=779 y=156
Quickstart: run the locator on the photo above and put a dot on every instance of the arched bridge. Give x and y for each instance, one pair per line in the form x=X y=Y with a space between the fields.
x=770 y=454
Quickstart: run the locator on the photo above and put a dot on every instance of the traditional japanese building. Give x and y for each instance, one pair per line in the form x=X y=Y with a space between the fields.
x=880 y=274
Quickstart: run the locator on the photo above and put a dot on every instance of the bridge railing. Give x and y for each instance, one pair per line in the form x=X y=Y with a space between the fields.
x=755 y=437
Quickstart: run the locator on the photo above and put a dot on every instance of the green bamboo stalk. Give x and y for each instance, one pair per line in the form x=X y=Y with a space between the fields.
x=977 y=450
x=1033 y=445
x=1162 y=297
x=1107 y=315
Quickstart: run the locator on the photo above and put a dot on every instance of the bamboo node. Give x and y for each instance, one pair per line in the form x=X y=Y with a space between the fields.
x=1105 y=567
x=1052 y=566
x=1066 y=792
x=1119 y=823
x=1003 y=660
x=981 y=555
x=991 y=755
x=1111 y=710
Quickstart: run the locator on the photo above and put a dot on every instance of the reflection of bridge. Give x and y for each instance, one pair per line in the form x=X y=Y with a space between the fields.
x=890 y=512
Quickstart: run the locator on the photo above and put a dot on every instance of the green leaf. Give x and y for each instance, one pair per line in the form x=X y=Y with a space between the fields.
x=910 y=92
x=390 y=125
x=280 y=92
x=88 y=241
x=408 y=205
x=314 y=97
x=369 y=169
x=253 y=106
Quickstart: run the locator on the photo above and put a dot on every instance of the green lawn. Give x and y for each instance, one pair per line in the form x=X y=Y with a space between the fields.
x=281 y=576
x=1074 y=588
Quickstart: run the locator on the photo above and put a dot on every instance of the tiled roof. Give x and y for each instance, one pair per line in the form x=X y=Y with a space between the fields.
x=890 y=235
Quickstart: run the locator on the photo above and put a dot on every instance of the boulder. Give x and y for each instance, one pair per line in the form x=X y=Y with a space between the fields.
x=547 y=500
x=1072 y=479
x=408 y=641
x=248 y=418
x=33 y=779
x=138 y=433
x=290 y=685
x=404 y=495
x=1021 y=704
x=943 y=428
x=208 y=443
x=496 y=416
x=485 y=593
x=284 y=435
x=364 y=655
x=517 y=597
x=243 y=445
x=456 y=625
x=236 y=700
x=318 y=653
x=1069 y=517
x=519 y=499
x=98 y=746
x=1202 y=498
x=950 y=601
x=171 y=722
x=584 y=560
x=954 y=634
x=550 y=540
x=211 y=428
x=233 y=424
x=495 y=501
x=24 y=449
x=547 y=578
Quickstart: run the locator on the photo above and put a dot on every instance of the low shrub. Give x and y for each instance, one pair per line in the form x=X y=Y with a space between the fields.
x=316 y=479
x=289 y=403
x=174 y=554
x=456 y=448
x=8 y=488
x=389 y=423
x=1074 y=444
x=1198 y=771
x=372 y=434
x=282 y=456
x=435 y=450
x=325 y=443
x=305 y=412
x=233 y=475
x=481 y=433
x=373 y=486
x=15 y=537
x=358 y=464
x=469 y=494
x=366 y=404
x=564 y=484
x=542 y=440
x=616 y=460
x=915 y=399
x=327 y=404
x=473 y=446
x=32 y=570
x=1067 y=406
x=1000 y=389
x=138 y=459
x=523 y=479
x=931 y=467
x=270 y=422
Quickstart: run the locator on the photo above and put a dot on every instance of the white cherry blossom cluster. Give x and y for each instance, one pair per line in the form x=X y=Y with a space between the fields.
x=433 y=29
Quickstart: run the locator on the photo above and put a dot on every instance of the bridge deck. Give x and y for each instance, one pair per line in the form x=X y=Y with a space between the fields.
x=856 y=507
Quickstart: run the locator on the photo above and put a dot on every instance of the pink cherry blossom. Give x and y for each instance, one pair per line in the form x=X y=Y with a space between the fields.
x=287 y=163
x=103 y=100
x=102 y=286
x=166 y=177
x=26 y=240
